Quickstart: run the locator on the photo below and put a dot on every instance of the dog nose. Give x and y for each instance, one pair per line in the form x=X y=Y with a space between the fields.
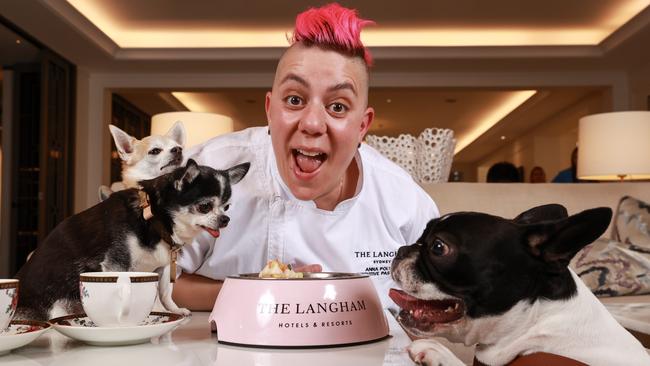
x=223 y=221
x=176 y=150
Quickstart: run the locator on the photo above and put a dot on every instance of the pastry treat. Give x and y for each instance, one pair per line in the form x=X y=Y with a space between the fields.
x=277 y=269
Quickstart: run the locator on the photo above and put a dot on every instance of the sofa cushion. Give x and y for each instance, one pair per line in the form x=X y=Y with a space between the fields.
x=612 y=268
x=631 y=224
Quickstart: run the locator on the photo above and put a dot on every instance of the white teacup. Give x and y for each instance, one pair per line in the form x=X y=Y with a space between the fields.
x=8 y=301
x=118 y=299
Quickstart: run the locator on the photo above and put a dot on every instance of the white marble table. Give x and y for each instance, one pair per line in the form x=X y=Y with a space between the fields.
x=192 y=343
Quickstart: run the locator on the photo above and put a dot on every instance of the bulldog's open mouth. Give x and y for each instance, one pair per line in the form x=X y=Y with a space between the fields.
x=308 y=161
x=214 y=232
x=425 y=314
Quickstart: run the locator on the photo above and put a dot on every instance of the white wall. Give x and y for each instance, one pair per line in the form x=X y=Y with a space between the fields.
x=550 y=143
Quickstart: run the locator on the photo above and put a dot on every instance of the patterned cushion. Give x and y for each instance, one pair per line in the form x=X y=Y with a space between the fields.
x=620 y=266
x=611 y=268
x=631 y=224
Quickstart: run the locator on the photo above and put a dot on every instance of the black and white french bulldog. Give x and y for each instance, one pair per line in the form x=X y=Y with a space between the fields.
x=504 y=286
x=114 y=236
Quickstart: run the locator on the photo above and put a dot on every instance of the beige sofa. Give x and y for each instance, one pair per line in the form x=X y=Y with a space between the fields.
x=510 y=199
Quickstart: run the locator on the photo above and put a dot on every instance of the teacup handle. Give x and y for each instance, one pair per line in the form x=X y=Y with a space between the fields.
x=124 y=292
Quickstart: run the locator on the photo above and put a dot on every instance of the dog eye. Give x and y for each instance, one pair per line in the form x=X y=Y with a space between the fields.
x=155 y=151
x=227 y=207
x=204 y=207
x=439 y=248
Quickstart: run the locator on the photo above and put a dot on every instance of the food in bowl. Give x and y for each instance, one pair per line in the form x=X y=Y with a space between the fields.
x=322 y=309
x=276 y=269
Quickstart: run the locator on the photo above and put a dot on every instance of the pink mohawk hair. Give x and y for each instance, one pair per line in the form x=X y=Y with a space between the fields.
x=332 y=27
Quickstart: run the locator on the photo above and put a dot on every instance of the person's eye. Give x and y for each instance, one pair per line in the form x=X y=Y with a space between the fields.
x=439 y=248
x=226 y=207
x=204 y=207
x=294 y=100
x=155 y=151
x=338 y=108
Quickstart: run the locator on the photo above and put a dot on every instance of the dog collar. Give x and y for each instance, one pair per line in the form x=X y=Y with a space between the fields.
x=539 y=359
x=173 y=254
x=144 y=205
x=174 y=246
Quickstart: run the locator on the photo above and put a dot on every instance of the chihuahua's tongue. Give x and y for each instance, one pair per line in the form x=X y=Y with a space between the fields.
x=309 y=164
x=213 y=232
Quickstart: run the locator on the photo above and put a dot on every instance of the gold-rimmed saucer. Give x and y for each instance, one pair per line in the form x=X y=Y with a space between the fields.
x=20 y=333
x=80 y=327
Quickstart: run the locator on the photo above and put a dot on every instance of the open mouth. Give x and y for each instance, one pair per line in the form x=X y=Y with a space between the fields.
x=425 y=314
x=214 y=232
x=308 y=162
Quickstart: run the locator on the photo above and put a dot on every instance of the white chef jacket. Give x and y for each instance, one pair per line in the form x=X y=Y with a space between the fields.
x=361 y=235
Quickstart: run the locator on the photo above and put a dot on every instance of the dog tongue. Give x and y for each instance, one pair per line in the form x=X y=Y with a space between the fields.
x=213 y=232
x=308 y=164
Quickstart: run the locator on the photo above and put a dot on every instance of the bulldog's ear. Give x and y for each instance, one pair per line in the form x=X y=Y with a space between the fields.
x=177 y=133
x=236 y=173
x=123 y=141
x=191 y=172
x=558 y=241
x=538 y=214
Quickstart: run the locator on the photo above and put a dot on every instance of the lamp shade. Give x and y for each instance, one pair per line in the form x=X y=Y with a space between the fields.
x=199 y=126
x=614 y=146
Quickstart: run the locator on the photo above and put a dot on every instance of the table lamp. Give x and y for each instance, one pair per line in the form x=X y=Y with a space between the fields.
x=199 y=126
x=614 y=146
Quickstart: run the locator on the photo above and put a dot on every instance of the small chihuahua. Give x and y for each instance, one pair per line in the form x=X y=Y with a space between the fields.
x=148 y=158
x=114 y=236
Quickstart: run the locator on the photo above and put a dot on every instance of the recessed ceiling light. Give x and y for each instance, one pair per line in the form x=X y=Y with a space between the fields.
x=389 y=100
x=18 y=41
x=503 y=137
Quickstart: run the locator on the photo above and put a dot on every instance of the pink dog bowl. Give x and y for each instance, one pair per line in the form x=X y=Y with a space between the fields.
x=320 y=310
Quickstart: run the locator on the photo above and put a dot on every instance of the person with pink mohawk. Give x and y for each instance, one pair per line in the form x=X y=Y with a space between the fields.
x=315 y=197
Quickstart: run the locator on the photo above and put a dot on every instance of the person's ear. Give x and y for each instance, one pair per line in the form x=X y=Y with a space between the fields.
x=267 y=107
x=366 y=121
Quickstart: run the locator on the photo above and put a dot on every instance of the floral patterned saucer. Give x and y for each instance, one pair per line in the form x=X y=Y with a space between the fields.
x=19 y=333
x=81 y=328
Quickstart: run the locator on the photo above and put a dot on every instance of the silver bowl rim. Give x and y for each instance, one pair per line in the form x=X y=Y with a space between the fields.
x=308 y=276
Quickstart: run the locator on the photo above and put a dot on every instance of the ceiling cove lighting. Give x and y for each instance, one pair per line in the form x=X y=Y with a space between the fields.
x=180 y=36
x=495 y=115
x=191 y=102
